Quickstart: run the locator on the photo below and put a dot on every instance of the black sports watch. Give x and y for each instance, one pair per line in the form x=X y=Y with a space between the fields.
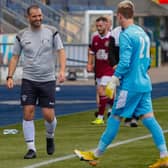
x=9 y=77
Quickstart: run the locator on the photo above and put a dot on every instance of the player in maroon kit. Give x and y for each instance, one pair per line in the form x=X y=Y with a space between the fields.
x=99 y=51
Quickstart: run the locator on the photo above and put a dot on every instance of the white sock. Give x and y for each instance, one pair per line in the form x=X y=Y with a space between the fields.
x=109 y=110
x=100 y=117
x=163 y=154
x=29 y=134
x=97 y=153
x=50 y=128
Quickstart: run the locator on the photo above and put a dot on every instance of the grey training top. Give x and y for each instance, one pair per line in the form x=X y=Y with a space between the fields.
x=38 y=49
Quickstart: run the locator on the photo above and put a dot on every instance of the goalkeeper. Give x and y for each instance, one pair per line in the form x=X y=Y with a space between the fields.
x=114 y=59
x=134 y=93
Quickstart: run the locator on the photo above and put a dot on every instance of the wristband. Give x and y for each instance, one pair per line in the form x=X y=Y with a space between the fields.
x=9 y=77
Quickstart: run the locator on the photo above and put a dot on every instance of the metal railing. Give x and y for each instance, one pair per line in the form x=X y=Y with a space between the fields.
x=76 y=54
x=9 y=28
x=76 y=60
x=12 y=17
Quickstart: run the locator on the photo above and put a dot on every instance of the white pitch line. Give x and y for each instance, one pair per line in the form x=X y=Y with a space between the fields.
x=51 y=161
x=17 y=102
x=72 y=155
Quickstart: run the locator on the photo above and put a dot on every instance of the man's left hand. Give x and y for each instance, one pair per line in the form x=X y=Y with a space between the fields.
x=111 y=87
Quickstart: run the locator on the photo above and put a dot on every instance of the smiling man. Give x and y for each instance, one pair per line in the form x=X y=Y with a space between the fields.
x=38 y=43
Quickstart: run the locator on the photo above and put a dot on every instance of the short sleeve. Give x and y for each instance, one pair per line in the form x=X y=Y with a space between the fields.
x=17 y=48
x=58 y=42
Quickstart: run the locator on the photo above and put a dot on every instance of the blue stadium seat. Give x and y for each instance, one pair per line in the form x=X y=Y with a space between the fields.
x=15 y=6
x=58 y=4
x=97 y=4
x=77 y=5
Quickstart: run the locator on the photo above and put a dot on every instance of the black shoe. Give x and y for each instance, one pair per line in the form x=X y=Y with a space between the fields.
x=134 y=123
x=127 y=122
x=108 y=114
x=31 y=154
x=50 y=146
x=96 y=114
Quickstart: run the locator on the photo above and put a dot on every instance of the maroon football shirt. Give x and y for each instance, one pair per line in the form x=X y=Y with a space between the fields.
x=100 y=48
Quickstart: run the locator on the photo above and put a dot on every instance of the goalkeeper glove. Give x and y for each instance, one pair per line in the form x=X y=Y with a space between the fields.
x=111 y=87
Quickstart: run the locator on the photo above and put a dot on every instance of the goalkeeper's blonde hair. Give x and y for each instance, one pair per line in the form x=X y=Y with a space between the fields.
x=126 y=8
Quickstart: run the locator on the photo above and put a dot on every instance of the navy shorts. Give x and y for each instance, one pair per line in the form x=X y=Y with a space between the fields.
x=41 y=93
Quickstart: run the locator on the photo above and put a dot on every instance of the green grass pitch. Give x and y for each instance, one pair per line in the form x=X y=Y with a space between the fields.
x=75 y=131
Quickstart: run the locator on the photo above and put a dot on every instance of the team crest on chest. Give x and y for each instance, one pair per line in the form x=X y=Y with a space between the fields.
x=106 y=44
x=96 y=43
x=24 y=97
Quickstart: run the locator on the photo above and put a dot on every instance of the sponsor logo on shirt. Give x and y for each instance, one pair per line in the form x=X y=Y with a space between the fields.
x=24 y=97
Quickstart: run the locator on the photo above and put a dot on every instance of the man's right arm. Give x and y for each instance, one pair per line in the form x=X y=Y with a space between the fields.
x=11 y=69
x=62 y=63
x=90 y=60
